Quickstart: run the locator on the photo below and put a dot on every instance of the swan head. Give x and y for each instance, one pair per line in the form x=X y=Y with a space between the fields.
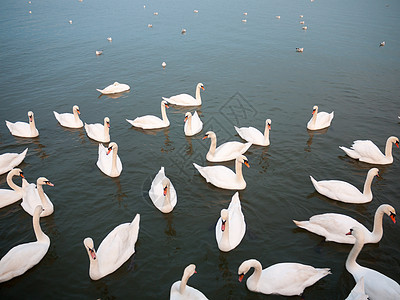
x=374 y=172
x=164 y=103
x=390 y=211
x=224 y=217
x=43 y=180
x=115 y=83
x=394 y=140
x=268 y=123
x=243 y=159
x=16 y=171
x=75 y=108
x=89 y=245
x=187 y=116
x=315 y=109
x=200 y=86
x=190 y=270
x=30 y=116
x=357 y=233
x=209 y=135
x=107 y=122
x=165 y=184
x=112 y=146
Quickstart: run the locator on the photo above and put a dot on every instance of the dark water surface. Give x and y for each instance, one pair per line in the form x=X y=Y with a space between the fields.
x=251 y=72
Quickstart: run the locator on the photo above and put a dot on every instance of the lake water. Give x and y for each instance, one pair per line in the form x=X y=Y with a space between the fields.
x=251 y=72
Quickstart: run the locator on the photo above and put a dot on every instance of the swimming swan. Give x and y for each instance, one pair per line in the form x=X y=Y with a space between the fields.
x=185 y=99
x=223 y=177
x=225 y=152
x=70 y=120
x=23 y=257
x=335 y=226
x=7 y=196
x=163 y=193
x=287 y=279
x=230 y=227
x=377 y=285
x=23 y=129
x=152 y=122
x=319 y=120
x=346 y=192
x=254 y=136
x=366 y=151
x=114 y=88
x=99 y=132
x=109 y=164
x=9 y=161
x=193 y=124
x=34 y=196
x=181 y=291
x=116 y=248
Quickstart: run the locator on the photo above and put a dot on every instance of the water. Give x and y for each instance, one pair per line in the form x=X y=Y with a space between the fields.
x=251 y=72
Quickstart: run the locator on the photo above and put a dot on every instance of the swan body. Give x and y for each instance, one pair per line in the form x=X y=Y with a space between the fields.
x=287 y=279
x=114 y=88
x=335 y=226
x=116 y=248
x=109 y=164
x=225 y=152
x=7 y=196
x=70 y=120
x=193 y=124
x=366 y=151
x=231 y=227
x=254 y=136
x=346 y=192
x=34 y=196
x=181 y=291
x=99 y=132
x=24 y=256
x=358 y=292
x=377 y=286
x=163 y=193
x=319 y=120
x=152 y=122
x=185 y=99
x=23 y=129
x=10 y=160
x=223 y=177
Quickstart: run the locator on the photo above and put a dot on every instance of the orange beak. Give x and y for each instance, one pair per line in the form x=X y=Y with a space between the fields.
x=166 y=105
x=393 y=217
x=241 y=277
x=109 y=150
x=397 y=144
x=108 y=125
x=349 y=233
x=206 y=136
x=185 y=119
x=22 y=175
x=78 y=111
x=202 y=88
x=92 y=253
x=165 y=191
x=313 y=112
x=247 y=164
x=269 y=126
x=49 y=183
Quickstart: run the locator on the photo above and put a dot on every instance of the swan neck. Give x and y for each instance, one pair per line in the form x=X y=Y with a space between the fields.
x=11 y=184
x=238 y=168
x=266 y=133
x=189 y=124
x=32 y=126
x=198 y=97
x=164 y=113
x=255 y=277
x=351 y=264
x=378 y=226
x=182 y=286
x=388 y=148
x=225 y=233
x=167 y=201
x=41 y=195
x=114 y=161
x=314 y=118
x=367 y=185
x=213 y=145
x=76 y=115
x=94 y=269
x=40 y=235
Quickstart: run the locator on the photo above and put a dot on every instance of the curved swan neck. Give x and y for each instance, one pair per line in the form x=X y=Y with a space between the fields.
x=367 y=185
x=388 y=148
x=189 y=123
x=11 y=184
x=41 y=195
x=40 y=235
x=106 y=129
x=351 y=264
x=378 y=226
x=198 y=97
x=266 y=133
x=76 y=115
x=213 y=145
x=32 y=125
x=257 y=270
x=184 y=280
x=238 y=169
x=114 y=160
x=164 y=113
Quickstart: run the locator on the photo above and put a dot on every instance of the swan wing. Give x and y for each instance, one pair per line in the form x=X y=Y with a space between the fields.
x=21 y=129
x=376 y=284
x=104 y=161
x=237 y=224
x=148 y=122
x=8 y=197
x=68 y=120
x=29 y=199
x=95 y=132
x=197 y=124
x=182 y=99
x=324 y=120
x=10 y=160
x=156 y=190
x=358 y=292
x=367 y=151
x=251 y=135
x=216 y=174
x=229 y=151
x=339 y=190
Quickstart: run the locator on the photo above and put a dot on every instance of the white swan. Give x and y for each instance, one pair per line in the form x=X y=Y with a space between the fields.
x=254 y=136
x=181 y=291
x=231 y=227
x=223 y=177
x=10 y=160
x=99 y=132
x=163 y=193
x=319 y=120
x=34 y=196
x=225 y=152
x=346 y=192
x=287 y=279
x=115 y=88
x=23 y=129
x=7 y=196
x=335 y=226
x=185 y=99
x=23 y=257
x=152 y=122
x=70 y=120
x=116 y=248
x=358 y=292
x=366 y=151
x=109 y=164
x=193 y=124
x=377 y=285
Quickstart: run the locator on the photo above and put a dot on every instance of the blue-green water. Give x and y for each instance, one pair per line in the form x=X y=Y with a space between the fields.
x=251 y=72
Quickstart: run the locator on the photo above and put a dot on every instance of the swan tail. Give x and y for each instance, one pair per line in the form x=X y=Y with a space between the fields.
x=314 y=182
x=130 y=121
x=135 y=222
x=324 y=271
x=101 y=91
x=247 y=146
x=9 y=125
x=200 y=169
x=350 y=152
x=166 y=99
x=299 y=223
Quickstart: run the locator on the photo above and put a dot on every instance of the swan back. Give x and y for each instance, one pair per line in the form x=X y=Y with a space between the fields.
x=11 y=160
x=180 y=290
